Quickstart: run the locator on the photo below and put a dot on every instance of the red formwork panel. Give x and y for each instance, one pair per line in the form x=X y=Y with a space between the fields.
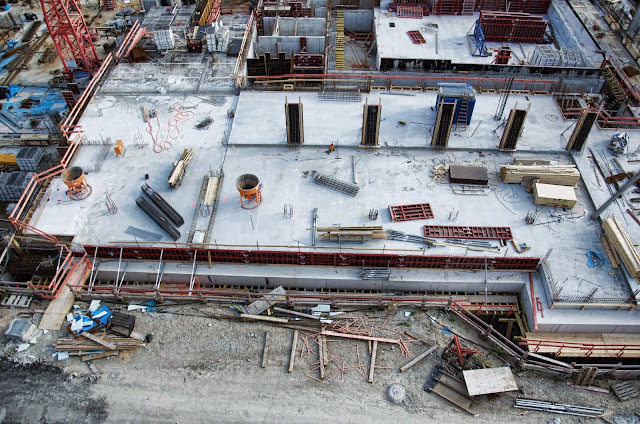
x=456 y=231
x=538 y=7
x=332 y=259
x=512 y=27
x=416 y=37
x=409 y=12
x=393 y=7
x=448 y=7
x=410 y=212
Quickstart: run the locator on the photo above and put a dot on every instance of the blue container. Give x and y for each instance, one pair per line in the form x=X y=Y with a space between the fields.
x=461 y=94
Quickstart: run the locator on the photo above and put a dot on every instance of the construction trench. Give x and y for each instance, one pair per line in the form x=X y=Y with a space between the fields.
x=324 y=159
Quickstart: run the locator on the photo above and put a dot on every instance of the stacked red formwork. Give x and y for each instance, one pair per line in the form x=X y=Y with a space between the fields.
x=423 y=4
x=513 y=27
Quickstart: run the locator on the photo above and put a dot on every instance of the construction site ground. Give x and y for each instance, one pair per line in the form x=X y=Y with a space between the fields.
x=202 y=369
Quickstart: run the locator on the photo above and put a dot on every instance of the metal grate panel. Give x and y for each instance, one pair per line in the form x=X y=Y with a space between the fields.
x=346 y=188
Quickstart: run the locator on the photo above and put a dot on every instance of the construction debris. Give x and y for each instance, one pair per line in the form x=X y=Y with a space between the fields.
x=625 y=391
x=266 y=301
x=448 y=387
x=418 y=358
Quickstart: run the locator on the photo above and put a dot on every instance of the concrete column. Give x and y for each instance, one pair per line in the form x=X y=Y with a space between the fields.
x=635 y=22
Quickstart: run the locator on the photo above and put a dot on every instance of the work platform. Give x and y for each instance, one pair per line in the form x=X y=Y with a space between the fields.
x=242 y=244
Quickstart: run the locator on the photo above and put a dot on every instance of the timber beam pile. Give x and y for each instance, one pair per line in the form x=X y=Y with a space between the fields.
x=620 y=243
x=351 y=234
x=567 y=175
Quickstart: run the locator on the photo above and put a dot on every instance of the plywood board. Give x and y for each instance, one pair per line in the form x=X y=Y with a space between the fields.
x=489 y=380
x=57 y=310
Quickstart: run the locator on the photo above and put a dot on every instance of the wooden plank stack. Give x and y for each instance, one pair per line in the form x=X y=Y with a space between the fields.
x=619 y=242
x=180 y=168
x=567 y=175
x=81 y=346
x=352 y=234
x=211 y=191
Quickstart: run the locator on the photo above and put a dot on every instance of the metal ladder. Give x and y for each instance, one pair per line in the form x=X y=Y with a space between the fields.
x=463 y=115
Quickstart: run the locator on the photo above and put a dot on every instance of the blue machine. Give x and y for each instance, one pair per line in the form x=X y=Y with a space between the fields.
x=463 y=94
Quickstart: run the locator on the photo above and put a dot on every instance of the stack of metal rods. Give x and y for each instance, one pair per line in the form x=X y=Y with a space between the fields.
x=558 y=408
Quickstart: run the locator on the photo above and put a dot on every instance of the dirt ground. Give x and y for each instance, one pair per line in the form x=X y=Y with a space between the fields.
x=202 y=369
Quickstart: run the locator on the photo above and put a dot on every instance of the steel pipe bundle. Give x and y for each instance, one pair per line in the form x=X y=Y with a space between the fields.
x=558 y=408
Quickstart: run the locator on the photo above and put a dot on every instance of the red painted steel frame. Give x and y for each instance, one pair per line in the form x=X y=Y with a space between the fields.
x=409 y=12
x=454 y=231
x=416 y=37
x=335 y=259
x=410 y=212
x=587 y=348
x=70 y=35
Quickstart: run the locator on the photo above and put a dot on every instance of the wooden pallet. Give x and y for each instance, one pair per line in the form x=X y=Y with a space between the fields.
x=17 y=300
x=625 y=391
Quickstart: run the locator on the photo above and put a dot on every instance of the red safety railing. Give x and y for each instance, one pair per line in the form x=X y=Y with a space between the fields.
x=588 y=349
x=171 y=290
x=70 y=270
x=312 y=258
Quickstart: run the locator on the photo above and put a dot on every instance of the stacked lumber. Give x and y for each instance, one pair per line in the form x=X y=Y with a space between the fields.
x=211 y=192
x=352 y=234
x=83 y=345
x=567 y=175
x=619 y=242
x=180 y=168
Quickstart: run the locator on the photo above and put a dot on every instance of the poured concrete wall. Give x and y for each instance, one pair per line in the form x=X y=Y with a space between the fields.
x=311 y=279
x=289 y=45
x=301 y=27
x=570 y=33
x=279 y=26
x=358 y=20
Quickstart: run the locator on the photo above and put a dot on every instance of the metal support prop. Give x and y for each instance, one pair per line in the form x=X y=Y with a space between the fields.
x=618 y=193
x=158 y=273
x=119 y=263
x=193 y=270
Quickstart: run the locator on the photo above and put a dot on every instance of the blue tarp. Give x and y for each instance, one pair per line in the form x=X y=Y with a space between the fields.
x=596 y=260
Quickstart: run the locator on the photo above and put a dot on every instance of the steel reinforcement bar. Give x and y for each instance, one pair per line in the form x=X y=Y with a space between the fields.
x=307 y=258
